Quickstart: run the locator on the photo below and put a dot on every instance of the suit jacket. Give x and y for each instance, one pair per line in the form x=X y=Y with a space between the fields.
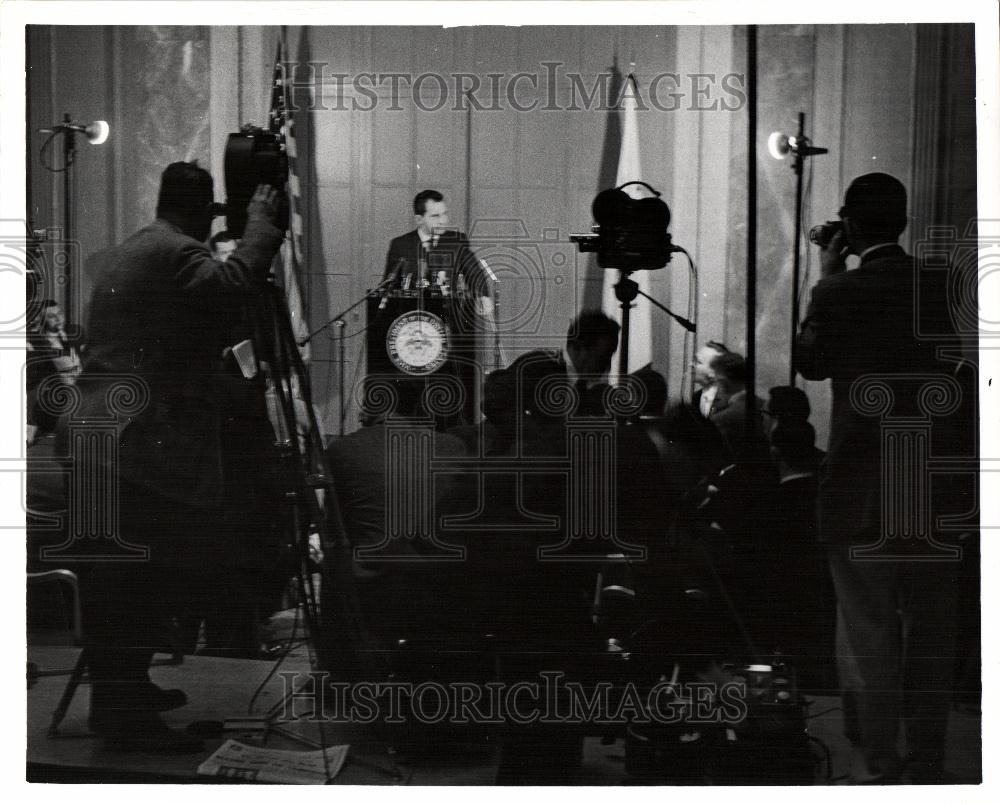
x=717 y=403
x=863 y=322
x=161 y=313
x=451 y=254
x=729 y=418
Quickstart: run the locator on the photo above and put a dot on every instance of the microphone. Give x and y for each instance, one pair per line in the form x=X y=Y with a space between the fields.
x=488 y=270
x=393 y=279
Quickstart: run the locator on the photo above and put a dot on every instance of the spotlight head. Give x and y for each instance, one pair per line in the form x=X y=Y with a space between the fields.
x=97 y=132
x=778 y=145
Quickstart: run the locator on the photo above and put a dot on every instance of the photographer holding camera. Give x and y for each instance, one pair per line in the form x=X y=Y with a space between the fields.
x=895 y=616
x=162 y=311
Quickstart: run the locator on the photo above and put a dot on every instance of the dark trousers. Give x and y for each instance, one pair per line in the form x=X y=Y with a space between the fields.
x=128 y=605
x=895 y=655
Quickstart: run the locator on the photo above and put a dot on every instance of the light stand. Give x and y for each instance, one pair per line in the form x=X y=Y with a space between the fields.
x=97 y=134
x=780 y=146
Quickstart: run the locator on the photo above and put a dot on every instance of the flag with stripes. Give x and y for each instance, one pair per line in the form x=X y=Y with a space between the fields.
x=281 y=121
x=640 y=351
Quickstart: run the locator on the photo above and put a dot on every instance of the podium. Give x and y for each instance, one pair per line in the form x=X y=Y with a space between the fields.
x=425 y=343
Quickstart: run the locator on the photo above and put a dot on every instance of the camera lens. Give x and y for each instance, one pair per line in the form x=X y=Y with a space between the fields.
x=823 y=233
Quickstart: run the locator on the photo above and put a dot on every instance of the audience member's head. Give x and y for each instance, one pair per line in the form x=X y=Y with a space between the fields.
x=385 y=399
x=786 y=403
x=186 y=197
x=703 y=376
x=223 y=244
x=591 y=341
x=730 y=370
x=529 y=373
x=793 y=445
x=654 y=386
x=499 y=403
x=50 y=317
x=874 y=210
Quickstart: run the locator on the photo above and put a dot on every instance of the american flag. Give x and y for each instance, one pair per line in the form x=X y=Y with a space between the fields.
x=281 y=121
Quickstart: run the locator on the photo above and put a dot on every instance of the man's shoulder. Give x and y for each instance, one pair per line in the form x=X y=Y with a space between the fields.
x=891 y=269
x=356 y=445
x=158 y=235
x=404 y=240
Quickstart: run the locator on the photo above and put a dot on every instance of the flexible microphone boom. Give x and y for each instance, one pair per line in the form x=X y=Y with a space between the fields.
x=393 y=279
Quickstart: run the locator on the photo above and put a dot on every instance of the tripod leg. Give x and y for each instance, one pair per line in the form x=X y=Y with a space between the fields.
x=67 y=696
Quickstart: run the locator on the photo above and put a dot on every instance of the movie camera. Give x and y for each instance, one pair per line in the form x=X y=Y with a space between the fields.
x=630 y=234
x=253 y=156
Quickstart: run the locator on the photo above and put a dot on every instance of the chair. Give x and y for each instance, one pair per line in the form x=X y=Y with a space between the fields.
x=54 y=608
x=57 y=609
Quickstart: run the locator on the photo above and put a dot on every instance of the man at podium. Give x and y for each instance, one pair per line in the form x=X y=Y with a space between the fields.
x=434 y=254
x=436 y=258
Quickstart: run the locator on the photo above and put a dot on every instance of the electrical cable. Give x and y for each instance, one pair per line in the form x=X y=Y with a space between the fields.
x=276 y=664
x=804 y=278
x=688 y=370
x=824 y=712
x=44 y=148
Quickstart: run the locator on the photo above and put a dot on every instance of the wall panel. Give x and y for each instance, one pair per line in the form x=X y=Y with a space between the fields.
x=174 y=93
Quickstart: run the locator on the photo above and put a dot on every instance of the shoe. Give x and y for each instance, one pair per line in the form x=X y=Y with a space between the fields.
x=130 y=731
x=149 y=697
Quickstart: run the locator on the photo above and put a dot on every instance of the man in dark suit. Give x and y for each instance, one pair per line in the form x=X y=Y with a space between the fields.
x=437 y=257
x=418 y=258
x=160 y=317
x=797 y=581
x=895 y=617
x=730 y=408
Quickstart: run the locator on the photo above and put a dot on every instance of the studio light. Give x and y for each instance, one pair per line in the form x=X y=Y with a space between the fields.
x=781 y=145
x=97 y=133
x=778 y=145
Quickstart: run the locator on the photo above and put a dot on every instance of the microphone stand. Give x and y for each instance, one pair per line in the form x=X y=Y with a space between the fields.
x=340 y=321
x=498 y=357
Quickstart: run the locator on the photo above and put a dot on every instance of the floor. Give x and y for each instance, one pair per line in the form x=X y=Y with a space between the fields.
x=604 y=759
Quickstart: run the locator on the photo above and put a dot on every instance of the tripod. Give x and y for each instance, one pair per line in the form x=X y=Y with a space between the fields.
x=304 y=479
x=626 y=291
x=311 y=504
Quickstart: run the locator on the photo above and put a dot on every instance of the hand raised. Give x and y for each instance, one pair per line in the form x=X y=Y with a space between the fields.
x=264 y=203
